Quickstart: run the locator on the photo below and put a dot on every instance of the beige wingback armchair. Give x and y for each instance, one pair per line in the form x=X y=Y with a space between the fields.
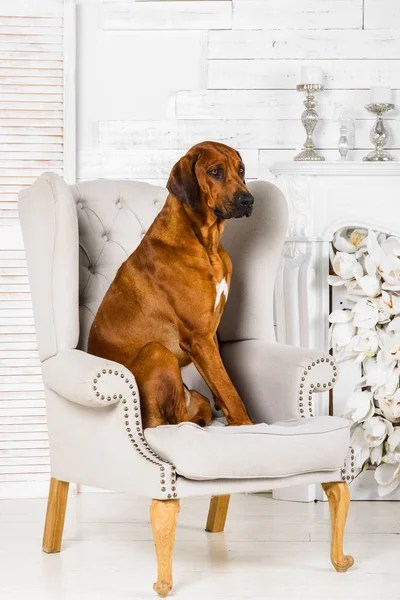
x=75 y=239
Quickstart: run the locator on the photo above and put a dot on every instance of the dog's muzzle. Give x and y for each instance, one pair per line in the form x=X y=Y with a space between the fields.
x=244 y=205
x=240 y=206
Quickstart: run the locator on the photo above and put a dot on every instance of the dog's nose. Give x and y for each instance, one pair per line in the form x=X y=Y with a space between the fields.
x=246 y=200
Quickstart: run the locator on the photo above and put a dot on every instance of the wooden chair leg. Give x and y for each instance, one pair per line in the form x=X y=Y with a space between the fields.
x=339 y=500
x=163 y=515
x=217 y=513
x=56 y=506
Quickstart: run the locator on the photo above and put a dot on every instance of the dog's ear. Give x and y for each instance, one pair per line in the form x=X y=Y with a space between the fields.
x=182 y=182
x=238 y=153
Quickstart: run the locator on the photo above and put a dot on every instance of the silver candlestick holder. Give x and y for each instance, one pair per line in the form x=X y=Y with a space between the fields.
x=343 y=144
x=309 y=118
x=379 y=135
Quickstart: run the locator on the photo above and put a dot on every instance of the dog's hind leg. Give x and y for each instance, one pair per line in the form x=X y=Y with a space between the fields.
x=158 y=375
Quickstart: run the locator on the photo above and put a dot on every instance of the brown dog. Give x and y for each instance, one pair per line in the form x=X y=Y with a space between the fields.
x=163 y=308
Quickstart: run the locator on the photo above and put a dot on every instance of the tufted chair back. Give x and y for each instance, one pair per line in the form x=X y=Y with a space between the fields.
x=113 y=216
x=76 y=237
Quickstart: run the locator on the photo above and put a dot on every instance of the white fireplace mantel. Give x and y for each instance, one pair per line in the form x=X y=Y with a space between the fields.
x=325 y=196
x=322 y=198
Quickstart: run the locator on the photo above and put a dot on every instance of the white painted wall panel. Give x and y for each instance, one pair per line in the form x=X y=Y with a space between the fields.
x=132 y=75
x=305 y=45
x=300 y=14
x=381 y=14
x=142 y=164
x=268 y=104
x=211 y=14
x=285 y=74
x=181 y=134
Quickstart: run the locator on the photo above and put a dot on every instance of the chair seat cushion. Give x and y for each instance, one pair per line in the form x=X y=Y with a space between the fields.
x=251 y=451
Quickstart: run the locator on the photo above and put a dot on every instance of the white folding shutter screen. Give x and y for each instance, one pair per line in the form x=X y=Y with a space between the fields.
x=32 y=125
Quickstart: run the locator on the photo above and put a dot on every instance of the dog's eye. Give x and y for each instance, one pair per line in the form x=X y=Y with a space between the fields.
x=217 y=173
x=241 y=171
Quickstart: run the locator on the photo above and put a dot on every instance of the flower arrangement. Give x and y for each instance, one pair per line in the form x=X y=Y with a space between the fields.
x=367 y=264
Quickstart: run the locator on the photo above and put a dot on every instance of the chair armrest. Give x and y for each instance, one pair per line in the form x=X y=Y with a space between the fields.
x=101 y=448
x=276 y=381
x=86 y=379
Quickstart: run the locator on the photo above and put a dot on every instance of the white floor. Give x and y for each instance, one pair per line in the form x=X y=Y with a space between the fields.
x=270 y=549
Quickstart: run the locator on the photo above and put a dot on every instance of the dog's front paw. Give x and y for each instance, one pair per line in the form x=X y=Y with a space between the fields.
x=238 y=422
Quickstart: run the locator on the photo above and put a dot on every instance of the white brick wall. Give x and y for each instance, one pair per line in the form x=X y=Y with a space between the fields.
x=157 y=77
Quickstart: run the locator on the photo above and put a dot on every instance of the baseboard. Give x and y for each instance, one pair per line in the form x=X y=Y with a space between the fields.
x=23 y=489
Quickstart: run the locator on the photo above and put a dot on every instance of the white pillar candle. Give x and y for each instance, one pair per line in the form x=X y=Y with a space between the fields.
x=381 y=95
x=311 y=74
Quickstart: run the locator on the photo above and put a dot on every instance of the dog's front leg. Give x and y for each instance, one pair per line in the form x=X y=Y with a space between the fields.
x=216 y=405
x=205 y=355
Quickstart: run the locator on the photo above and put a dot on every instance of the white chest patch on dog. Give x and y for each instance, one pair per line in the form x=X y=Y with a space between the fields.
x=222 y=288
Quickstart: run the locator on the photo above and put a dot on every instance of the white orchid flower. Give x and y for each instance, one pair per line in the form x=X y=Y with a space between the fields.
x=365 y=315
x=389 y=406
x=390 y=343
x=341 y=331
x=383 y=317
x=368 y=366
x=381 y=253
x=388 y=478
x=364 y=343
x=335 y=281
x=359 y=406
x=346 y=265
x=376 y=430
x=391 y=302
x=341 y=316
x=360 y=447
x=367 y=285
x=374 y=249
x=394 y=443
x=376 y=455
x=367 y=264
x=370 y=266
x=366 y=280
x=383 y=309
x=350 y=240
x=388 y=304
x=370 y=285
x=394 y=324
x=391 y=246
x=381 y=237
x=391 y=385
x=389 y=263
x=377 y=371
x=391 y=275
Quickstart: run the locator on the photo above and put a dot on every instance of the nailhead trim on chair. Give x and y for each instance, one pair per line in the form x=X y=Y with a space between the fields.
x=167 y=482
x=348 y=472
x=313 y=387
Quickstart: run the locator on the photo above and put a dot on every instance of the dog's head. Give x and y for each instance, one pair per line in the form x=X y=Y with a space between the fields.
x=211 y=177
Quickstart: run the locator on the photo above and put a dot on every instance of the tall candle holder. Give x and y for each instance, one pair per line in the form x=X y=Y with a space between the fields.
x=379 y=135
x=309 y=118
